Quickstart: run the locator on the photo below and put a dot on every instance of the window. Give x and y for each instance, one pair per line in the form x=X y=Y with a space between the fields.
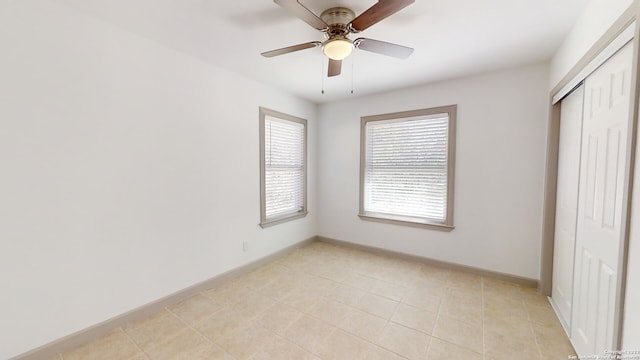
x=283 y=167
x=407 y=167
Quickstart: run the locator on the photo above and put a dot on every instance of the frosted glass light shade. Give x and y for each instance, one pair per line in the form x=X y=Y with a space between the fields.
x=337 y=49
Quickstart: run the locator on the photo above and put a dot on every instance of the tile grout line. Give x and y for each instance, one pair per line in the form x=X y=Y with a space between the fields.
x=188 y=325
x=387 y=320
x=535 y=337
x=134 y=342
x=426 y=354
x=435 y=324
x=196 y=330
x=484 y=348
x=307 y=313
x=380 y=335
x=284 y=331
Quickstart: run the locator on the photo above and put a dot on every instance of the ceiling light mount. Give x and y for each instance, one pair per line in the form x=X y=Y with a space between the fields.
x=337 y=15
x=337 y=19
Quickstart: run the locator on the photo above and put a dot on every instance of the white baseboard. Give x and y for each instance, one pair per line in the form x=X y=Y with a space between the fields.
x=527 y=282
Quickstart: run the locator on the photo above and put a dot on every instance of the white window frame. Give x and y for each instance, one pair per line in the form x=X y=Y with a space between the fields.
x=447 y=223
x=302 y=212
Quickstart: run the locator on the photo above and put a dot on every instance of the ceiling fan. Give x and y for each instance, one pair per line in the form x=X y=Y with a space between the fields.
x=337 y=23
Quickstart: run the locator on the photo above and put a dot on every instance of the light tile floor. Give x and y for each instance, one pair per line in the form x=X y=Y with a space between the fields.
x=329 y=302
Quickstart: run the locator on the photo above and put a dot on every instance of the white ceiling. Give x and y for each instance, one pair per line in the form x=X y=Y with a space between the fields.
x=451 y=38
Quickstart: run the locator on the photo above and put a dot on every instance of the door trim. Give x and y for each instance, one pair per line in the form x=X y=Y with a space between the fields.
x=618 y=27
x=634 y=112
x=616 y=44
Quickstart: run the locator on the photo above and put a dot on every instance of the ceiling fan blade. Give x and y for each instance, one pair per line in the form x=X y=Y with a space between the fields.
x=303 y=13
x=289 y=49
x=335 y=67
x=382 y=47
x=381 y=10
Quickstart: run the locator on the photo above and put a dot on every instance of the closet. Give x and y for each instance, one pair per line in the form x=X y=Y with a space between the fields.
x=592 y=159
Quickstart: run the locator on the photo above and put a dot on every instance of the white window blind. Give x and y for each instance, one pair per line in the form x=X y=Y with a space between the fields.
x=284 y=168
x=406 y=165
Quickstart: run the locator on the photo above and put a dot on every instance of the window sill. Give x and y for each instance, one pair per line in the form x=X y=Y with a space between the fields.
x=282 y=219
x=406 y=221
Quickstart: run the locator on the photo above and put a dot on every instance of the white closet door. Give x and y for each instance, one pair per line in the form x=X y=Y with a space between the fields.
x=602 y=179
x=567 y=203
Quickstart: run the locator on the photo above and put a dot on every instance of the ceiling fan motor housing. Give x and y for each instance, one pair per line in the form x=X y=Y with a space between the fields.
x=337 y=18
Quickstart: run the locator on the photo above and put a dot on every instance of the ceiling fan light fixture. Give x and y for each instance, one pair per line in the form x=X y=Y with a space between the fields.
x=337 y=49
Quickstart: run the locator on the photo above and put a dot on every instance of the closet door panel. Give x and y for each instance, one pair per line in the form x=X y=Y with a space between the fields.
x=602 y=179
x=567 y=203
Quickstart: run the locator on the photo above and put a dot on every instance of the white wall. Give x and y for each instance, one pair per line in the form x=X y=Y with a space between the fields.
x=128 y=171
x=499 y=171
x=594 y=21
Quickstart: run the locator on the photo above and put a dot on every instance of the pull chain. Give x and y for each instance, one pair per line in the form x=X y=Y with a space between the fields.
x=353 y=60
x=322 y=72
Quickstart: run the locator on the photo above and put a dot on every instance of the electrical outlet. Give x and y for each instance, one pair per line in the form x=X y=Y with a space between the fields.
x=245 y=246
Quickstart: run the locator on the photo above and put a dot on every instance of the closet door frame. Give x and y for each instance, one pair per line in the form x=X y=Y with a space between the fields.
x=551 y=171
